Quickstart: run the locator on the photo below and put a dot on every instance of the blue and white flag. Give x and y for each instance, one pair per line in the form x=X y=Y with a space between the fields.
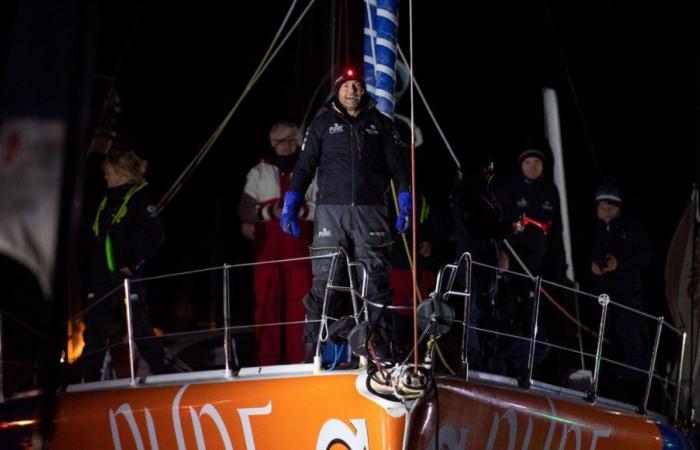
x=381 y=26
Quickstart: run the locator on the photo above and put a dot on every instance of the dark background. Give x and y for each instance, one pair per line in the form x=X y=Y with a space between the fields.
x=627 y=79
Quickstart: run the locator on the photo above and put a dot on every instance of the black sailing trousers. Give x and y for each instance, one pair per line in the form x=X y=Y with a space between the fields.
x=363 y=230
x=99 y=318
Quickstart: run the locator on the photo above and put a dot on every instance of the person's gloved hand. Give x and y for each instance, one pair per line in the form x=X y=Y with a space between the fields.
x=289 y=221
x=403 y=221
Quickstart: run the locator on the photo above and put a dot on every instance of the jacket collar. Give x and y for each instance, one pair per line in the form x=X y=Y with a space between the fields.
x=339 y=110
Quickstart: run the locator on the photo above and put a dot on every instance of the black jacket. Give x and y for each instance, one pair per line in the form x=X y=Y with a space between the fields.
x=479 y=222
x=539 y=200
x=135 y=238
x=628 y=242
x=355 y=157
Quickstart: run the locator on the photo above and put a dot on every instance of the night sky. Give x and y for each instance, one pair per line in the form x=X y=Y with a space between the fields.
x=628 y=81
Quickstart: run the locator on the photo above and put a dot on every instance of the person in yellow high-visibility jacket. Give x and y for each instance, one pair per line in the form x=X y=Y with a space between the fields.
x=126 y=234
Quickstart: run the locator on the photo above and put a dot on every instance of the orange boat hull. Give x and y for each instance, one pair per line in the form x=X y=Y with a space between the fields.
x=334 y=411
x=304 y=412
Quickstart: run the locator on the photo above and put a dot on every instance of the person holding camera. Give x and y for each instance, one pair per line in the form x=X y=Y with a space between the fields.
x=620 y=251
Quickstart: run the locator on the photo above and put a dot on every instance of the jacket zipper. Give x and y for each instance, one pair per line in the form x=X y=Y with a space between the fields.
x=352 y=166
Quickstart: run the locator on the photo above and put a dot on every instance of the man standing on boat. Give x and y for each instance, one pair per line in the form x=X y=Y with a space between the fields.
x=279 y=288
x=533 y=194
x=354 y=151
x=479 y=227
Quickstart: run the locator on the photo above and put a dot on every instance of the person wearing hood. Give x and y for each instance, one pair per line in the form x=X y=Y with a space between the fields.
x=279 y=288
x=354 y=151
x=620 y=251
x=479 y=227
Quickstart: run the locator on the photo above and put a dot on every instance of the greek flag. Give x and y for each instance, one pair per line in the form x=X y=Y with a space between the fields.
x=381 y=25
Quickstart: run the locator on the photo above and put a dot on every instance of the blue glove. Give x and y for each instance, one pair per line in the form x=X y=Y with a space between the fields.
x=289 y=221
x=403 y=221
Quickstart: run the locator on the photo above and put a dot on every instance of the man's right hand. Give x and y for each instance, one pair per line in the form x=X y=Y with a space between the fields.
x=289 y=221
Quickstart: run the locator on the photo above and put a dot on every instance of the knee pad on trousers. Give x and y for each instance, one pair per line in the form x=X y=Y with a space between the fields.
x=313 y=306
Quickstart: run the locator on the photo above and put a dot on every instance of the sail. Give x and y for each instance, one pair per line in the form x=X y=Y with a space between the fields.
x=35 y=104
x=683 y=287
x=30 y=180
x=381 y=25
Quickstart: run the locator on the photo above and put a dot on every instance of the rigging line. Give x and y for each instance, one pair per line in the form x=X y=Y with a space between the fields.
x=189 y=169
x=346 y=10
x=281 y=44
x=264 y=62
x=21 y=322
x=430 y=111
x=94 y=303
x=313 y=99
x=417 y=293
x=413 y=184
x=554 y=303
x=572 y=88
x=333 y=33
x=693 y=295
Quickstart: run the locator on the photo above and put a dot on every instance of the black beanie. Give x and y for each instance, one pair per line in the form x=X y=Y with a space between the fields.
x=531 y=152
x=347 y=74
x=607 y=192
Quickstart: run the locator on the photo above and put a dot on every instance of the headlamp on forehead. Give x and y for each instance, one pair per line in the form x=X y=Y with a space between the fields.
x=347 y=74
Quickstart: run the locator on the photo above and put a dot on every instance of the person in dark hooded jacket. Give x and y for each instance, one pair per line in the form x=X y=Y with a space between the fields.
x=533 y=194
x=354 y=151
x=620 y=251
x=479 y=228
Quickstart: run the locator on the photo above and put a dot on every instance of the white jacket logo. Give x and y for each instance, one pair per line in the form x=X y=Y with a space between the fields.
x=306 y=135
x=335 y=128
x=371 y=129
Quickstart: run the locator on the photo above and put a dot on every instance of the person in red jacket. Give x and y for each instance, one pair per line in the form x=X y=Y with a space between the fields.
x=279 y=288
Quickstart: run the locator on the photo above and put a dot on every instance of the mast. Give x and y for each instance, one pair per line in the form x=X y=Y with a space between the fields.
x=553 y=133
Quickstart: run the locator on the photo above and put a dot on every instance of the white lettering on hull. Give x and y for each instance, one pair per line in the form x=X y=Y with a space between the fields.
x=245 y=414
x=333 y=431
x=505 y=425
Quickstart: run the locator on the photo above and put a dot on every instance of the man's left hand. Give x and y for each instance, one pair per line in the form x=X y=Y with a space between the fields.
x=403 y=221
